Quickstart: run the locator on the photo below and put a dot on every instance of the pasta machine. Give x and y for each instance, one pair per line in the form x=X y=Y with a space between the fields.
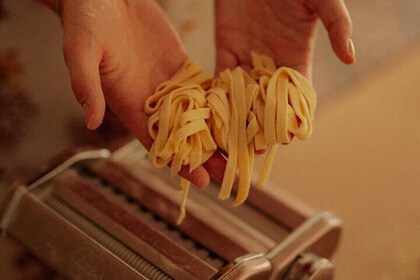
x=93 y=214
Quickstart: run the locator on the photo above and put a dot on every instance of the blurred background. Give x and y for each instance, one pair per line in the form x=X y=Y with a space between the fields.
x=363 y=162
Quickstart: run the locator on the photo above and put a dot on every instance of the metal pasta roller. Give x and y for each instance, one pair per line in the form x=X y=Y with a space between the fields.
x=102 y=215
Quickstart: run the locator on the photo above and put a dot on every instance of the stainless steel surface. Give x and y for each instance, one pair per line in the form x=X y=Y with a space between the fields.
x=51 y=173
x=121 y=216
x=127 y=255
x=310 y=267
x=252 y=266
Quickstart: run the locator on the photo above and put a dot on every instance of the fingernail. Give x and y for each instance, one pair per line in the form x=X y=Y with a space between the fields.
x=86 y=115
x=350 y=47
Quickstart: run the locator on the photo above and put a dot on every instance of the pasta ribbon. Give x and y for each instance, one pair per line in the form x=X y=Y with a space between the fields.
x=192 y=115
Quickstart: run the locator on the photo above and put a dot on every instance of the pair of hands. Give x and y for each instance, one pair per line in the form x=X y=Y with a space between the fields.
x=118 y=51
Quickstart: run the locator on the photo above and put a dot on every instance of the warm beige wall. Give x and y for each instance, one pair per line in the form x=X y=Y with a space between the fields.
x=363 y=163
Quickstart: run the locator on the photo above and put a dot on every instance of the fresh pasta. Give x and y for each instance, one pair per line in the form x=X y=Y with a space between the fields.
x=193 y=115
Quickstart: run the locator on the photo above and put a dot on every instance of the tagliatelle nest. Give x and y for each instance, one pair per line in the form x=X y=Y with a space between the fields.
x=192 y=115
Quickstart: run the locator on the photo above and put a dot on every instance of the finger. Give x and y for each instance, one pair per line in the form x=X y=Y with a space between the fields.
x=83 y=56
x=336 y=19
x=215 y=166
x=136 y=122
x=198 y=176
x=260 y=152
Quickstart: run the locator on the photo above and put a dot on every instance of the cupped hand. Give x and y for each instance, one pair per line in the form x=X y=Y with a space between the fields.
x=117 y=52
x=282 y=29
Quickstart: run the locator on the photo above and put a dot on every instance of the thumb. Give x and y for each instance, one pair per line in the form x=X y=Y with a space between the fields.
x=83 y=56
x=336 y=19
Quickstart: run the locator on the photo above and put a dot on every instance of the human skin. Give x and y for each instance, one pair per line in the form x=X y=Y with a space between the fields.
x=282 y=29
x=118 y=51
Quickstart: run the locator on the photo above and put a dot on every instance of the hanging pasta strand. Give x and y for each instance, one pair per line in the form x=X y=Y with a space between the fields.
x=185 y=186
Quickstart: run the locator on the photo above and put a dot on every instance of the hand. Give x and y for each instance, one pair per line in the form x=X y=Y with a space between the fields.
x=117 y=52
x=282 y=29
